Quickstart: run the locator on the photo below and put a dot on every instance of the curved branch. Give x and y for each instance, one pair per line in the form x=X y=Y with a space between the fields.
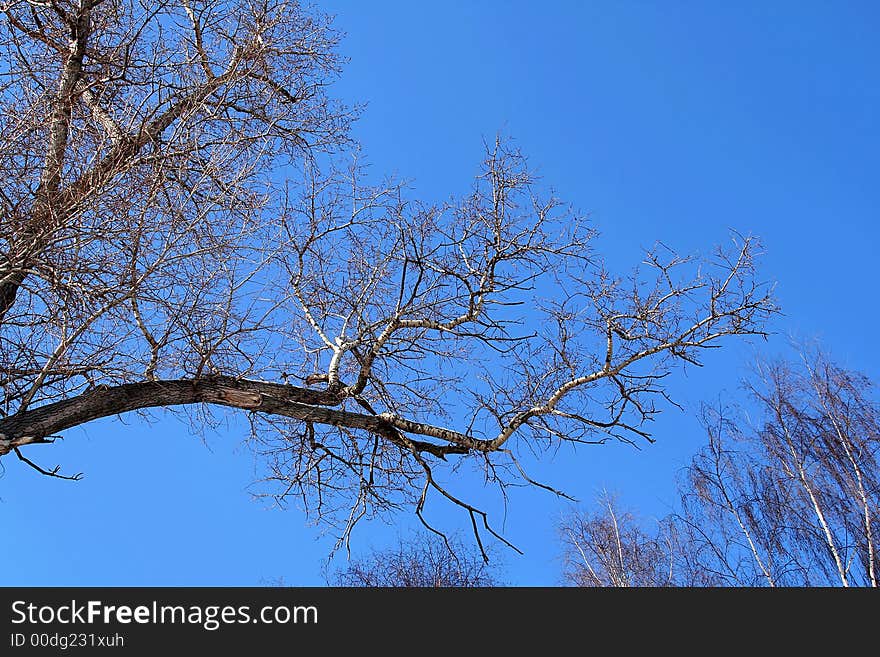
x=34 y=425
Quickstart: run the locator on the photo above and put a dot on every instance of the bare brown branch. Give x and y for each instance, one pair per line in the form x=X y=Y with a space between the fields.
x=184 y=222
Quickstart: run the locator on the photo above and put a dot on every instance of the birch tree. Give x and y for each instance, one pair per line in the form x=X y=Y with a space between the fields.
x=611 y=547
x=789 y=499
x=795 y=498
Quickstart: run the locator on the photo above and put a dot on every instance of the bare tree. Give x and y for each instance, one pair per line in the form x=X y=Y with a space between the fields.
x=611 y=548
x=793 y=501
x=423 y=560
x=186 y=224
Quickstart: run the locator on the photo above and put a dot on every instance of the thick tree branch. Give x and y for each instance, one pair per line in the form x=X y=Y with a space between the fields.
x=309 y=405
x=56 y=150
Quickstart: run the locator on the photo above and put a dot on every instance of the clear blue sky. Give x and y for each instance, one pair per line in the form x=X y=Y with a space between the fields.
x=663 y=120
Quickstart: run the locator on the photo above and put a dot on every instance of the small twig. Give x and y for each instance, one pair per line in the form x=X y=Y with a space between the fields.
x=49 y=473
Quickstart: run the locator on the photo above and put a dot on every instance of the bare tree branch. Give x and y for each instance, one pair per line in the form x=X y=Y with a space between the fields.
x=185 y=222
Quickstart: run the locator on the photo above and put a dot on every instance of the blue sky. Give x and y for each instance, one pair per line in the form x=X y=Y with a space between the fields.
x=675 y=121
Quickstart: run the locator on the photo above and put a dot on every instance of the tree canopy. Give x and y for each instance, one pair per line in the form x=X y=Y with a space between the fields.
x=185 y=222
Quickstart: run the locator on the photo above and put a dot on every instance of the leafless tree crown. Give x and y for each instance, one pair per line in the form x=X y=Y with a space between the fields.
x=423 y=560
x=185 y=223
x=791 y=501
x=612 y=548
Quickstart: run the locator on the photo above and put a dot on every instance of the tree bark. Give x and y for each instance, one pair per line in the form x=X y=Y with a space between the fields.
x=39 y=425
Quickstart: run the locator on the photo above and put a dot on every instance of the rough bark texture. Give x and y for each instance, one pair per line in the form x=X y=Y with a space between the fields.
x=39 y=425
